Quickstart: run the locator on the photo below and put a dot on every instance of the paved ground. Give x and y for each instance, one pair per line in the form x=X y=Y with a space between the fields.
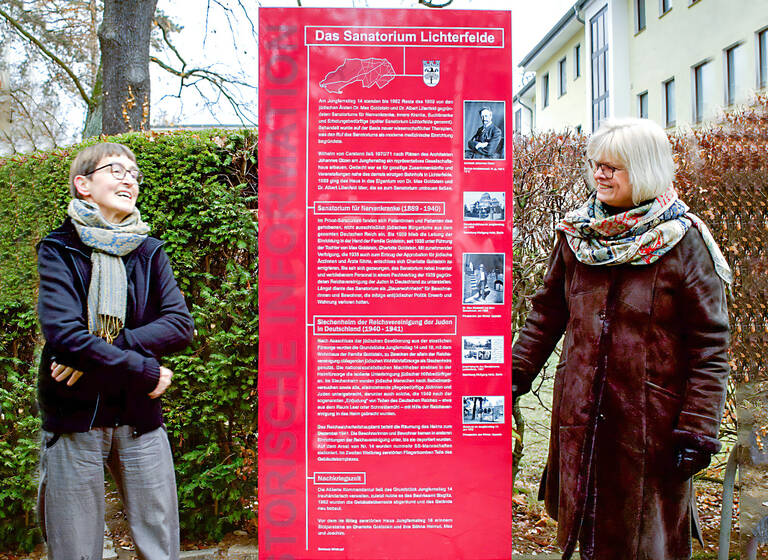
x=235 y=552
x=243 y=552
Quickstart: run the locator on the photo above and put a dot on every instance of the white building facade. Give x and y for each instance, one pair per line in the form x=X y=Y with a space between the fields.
x=678 y=62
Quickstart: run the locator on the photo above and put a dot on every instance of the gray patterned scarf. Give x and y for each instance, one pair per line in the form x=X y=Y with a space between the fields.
x=108 y=291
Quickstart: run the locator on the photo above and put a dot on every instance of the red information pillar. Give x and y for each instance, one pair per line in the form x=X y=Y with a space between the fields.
x=385 y=194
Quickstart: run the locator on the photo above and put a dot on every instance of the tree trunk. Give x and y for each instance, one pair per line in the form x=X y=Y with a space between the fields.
x=92 y=126
x=517 y=435
x=124 y=37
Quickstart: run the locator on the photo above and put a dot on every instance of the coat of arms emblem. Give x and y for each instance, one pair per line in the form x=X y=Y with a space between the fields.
x=431 y=72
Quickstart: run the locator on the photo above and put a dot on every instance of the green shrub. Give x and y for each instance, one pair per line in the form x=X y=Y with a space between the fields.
x=199 y=197
x=18 y=427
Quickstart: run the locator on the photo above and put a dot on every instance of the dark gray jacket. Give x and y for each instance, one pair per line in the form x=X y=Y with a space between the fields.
x=157 y=323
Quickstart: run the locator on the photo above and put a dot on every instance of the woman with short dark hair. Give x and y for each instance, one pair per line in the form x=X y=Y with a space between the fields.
x=109 y=309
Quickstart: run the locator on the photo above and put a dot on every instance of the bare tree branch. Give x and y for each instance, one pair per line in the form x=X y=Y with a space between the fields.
x=222 y=92
x=166 y=39
x=33 y=126
x=11 y=143
x=227 y=11
x=50 y=115
x=32 y=39
x=62 y=35
x=248 y=17
x=203 y=73
x=192 y=76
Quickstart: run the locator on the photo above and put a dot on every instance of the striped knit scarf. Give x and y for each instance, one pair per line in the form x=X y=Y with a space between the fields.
x=637 y=236
x=108 y=291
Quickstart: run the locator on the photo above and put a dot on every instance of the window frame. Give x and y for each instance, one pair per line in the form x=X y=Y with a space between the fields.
x=577 y=61
x=729 y=73
x=665 y=97
x=642 y=96
x=562 y=76
x=545 y=91
x=761 y=58
x=697 y=91
x=641 y=16
x=600 y=100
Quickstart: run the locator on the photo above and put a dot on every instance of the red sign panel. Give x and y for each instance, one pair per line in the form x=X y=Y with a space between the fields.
x=385 y=193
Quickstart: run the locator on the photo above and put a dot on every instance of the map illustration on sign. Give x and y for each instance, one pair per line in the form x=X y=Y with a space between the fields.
x=369 y=71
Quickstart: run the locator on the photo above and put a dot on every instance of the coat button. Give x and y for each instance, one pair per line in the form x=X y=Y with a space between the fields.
x=601 y=314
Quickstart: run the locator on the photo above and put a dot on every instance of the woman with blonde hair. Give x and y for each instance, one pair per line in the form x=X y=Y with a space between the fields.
x=636 y=284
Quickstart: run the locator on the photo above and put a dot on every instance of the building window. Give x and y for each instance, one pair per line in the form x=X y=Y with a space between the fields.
x=699 y=91
x=733 y=72
x=642 y=105
x=599 y=67
x=664 y=6
x=518 y=121
x=762 y=59
x=703 y=90
x=576 y=61
x=668 y=94
x=545 y=91
x=562 y=76
x=639 y=15
x=578 y=129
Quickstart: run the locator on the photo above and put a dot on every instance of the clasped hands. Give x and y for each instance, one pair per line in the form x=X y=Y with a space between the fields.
x=60 y=372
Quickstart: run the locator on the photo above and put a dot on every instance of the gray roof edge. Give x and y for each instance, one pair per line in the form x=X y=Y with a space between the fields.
x=558 y=27
x=523 y=90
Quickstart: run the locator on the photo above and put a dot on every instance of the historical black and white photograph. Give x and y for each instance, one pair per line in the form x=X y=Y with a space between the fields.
x=482 y=349
x=484 y=130
x=483 y=278
x=482 y=410
x=485 y=206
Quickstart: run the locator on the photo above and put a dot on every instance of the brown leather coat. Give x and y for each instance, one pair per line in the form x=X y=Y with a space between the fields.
x=643 y=369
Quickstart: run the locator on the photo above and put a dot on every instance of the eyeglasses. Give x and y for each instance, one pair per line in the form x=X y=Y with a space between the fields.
x=119 y=172
x=608 y=170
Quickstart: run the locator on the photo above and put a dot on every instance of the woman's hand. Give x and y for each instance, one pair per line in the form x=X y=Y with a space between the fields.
x=689 y=461
x=163 y=383
x=60 y=372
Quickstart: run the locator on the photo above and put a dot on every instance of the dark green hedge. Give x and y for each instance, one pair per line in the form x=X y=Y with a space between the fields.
x=200 y=197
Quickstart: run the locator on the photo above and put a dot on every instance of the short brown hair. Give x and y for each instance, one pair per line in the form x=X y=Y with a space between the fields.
x=88 y=158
